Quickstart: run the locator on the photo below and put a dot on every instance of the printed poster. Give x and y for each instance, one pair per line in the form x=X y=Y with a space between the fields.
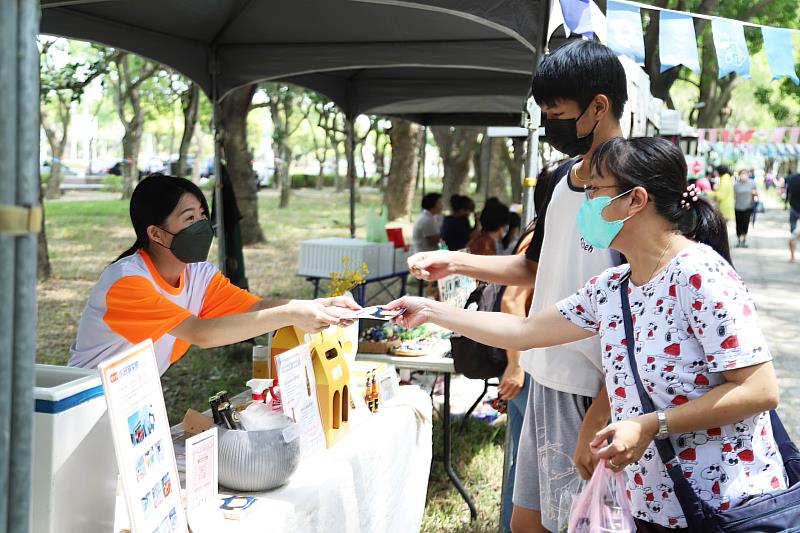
x=141 y=434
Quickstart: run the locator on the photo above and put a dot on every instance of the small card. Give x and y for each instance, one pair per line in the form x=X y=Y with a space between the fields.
x=236 y=507
x=376 y=312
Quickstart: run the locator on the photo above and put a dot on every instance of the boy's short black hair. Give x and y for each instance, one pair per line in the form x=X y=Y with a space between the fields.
x=723 y=169
x=578 y=71
x=494 y=216
x=430 y=199
x=459 y=202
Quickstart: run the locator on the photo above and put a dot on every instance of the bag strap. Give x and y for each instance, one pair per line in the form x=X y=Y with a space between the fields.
x=693 y=507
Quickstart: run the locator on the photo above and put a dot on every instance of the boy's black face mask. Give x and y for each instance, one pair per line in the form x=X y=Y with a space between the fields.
x=192 y=243
x=562 y=134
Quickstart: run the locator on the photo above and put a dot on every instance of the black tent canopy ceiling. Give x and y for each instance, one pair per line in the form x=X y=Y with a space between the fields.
x=462 y=61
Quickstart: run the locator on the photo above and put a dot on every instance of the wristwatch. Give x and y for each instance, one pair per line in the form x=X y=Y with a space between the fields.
x=663 y=432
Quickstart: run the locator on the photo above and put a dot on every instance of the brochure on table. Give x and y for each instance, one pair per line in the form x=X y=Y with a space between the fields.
x=142 y=440
x=299 y=397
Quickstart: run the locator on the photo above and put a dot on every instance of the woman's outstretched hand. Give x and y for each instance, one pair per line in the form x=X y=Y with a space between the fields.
x=416 y=311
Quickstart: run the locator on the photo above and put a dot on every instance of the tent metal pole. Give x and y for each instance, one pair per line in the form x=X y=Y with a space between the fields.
x=531 y=162
x=219 y=219
x=486 y=163
x=8 y=183
x=350 y=152
x=423 y=147
x=27 y=194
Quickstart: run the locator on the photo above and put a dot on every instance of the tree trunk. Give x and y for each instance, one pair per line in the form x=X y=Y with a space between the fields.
x=499 y=176
x=514 y=165
x=43 y=268
x=190 y=104
x=54 y=182
x=336 y=158
x=233 y=121
x=198 y=156
x=406 y=141
x=58 y=143
x=131 y=142
x=456 y=148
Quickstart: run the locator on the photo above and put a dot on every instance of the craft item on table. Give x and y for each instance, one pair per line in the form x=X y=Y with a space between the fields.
x=333 y=381
x=368 y=391
x=373 y=394
x=415 y=347
x=236 y=507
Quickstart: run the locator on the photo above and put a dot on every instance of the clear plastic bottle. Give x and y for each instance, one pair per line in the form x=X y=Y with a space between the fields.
x=261 y=362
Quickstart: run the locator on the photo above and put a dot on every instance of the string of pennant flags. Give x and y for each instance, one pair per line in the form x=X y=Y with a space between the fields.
x=750 y=135
x=621 y=30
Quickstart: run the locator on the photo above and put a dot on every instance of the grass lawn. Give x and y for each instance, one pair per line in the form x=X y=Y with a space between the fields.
x=85 y=235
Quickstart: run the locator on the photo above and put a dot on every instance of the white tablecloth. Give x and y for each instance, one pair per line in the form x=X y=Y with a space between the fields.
x=374 y=480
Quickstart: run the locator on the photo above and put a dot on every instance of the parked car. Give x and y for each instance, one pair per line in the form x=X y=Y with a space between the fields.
x=46 y=166
x=116 y=169
x=263 y=172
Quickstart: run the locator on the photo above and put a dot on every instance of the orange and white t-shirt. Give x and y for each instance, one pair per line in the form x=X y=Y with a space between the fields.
x=132 y=302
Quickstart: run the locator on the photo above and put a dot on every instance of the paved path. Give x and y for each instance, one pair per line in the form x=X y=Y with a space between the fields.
x=775 y=285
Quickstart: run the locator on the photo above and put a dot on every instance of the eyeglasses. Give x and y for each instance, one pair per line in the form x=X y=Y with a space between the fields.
x=589 y=190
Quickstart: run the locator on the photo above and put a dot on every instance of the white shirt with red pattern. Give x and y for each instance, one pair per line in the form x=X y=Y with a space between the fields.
x=692 y=321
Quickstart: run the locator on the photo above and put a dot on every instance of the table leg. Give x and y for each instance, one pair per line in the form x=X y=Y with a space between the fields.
x=474 y=405
x=447 y=459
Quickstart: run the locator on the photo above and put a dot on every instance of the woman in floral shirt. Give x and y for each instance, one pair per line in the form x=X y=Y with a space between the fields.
x=698 y=347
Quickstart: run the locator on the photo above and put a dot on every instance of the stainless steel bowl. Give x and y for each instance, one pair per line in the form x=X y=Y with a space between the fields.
x=256 y=460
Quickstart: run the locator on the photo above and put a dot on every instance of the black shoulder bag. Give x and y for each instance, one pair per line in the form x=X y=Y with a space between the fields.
x=768 y=513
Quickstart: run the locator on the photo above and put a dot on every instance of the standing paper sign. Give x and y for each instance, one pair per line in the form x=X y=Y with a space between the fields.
x=299 y=397
x=202 y=483
x=140 y=430
x=202 y=470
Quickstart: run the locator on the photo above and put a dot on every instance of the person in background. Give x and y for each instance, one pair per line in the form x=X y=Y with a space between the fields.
x=745 y=193
x=494 y=222
x=791 y=187
x=723 y=192
x=703 y=184
x=456 y=227
x=426 y=228
x=510 y=239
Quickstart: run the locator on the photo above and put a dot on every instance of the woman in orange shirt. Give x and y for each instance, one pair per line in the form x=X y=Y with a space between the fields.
x=162 y=287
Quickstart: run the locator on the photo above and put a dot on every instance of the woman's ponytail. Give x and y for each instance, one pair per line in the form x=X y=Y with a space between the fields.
x=708 y=226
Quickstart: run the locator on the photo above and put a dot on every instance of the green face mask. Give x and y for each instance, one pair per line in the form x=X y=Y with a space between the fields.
x=594 y=229
x=191 y=244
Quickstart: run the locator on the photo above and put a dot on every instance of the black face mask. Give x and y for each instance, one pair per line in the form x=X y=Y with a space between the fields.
x=191 y=244
x=562 y=134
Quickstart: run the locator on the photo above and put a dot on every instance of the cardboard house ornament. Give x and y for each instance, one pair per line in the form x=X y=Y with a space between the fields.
x=333 y=381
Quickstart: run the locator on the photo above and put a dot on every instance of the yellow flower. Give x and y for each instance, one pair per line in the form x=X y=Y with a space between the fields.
x=347 y=278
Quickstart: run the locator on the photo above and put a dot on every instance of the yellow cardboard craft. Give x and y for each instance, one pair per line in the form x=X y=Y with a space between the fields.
x=333 y=381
